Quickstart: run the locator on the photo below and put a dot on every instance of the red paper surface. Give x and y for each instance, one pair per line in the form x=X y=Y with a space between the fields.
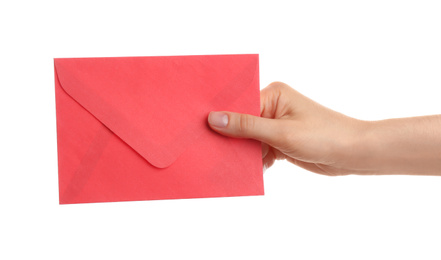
x=135 y=128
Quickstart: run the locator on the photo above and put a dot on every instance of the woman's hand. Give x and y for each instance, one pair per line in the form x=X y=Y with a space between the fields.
x=295 y=128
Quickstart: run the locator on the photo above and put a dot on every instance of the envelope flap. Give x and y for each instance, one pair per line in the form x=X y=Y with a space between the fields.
x=157 y=105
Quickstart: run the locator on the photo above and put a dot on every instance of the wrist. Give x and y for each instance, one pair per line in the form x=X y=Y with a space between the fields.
x=383 y=148
x=360 y=152
x=403 y=146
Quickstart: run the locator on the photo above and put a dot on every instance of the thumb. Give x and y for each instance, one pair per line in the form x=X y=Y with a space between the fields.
x=245 y=126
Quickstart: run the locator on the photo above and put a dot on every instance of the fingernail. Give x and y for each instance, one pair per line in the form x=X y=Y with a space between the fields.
x=218 y=119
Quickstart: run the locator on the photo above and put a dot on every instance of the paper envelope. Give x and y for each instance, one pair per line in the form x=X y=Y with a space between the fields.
x=135 y=128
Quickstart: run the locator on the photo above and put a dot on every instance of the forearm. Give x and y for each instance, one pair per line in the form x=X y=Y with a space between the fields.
x=402 y=146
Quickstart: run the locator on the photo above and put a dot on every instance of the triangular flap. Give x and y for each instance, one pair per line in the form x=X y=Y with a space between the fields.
x=157 y=105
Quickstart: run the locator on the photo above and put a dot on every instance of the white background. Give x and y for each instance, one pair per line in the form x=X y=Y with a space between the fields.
x=368 y=59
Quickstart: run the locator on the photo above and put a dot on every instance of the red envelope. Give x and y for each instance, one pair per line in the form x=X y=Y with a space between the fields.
x=135 y=128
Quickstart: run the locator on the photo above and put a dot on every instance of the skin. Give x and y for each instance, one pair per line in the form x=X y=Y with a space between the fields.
x=295 y=128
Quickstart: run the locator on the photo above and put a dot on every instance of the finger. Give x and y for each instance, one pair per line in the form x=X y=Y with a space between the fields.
x=268 y=160
x=265 y=149
x=271 y=97
x=246 y=126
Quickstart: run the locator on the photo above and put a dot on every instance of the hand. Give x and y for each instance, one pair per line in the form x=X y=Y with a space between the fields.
x=295 y=128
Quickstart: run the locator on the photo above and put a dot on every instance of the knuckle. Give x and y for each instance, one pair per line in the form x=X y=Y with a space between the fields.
x=277 y=85
x=246 y=124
